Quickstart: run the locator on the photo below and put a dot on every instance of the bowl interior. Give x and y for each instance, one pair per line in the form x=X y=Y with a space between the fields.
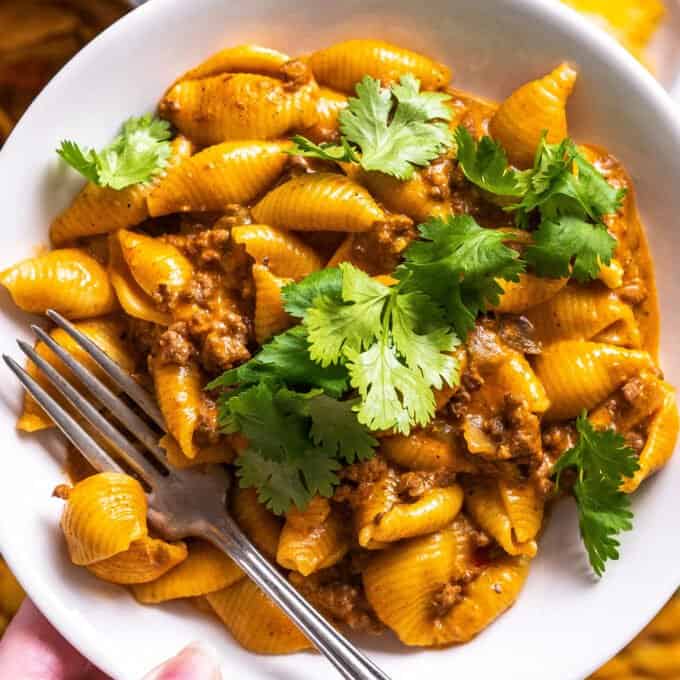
x=492 y=45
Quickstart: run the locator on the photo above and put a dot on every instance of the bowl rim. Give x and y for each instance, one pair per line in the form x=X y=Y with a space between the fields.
x=606 y=47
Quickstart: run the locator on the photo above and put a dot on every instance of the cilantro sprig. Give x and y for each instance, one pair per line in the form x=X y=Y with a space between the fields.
x=564 y=191
x=138 y=153
x=391 y=130
x=601 y=461
x=296 y=441
x=457 y=264
x=393 y=342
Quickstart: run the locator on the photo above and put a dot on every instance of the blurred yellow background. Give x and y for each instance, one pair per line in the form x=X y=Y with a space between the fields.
x=38 y=36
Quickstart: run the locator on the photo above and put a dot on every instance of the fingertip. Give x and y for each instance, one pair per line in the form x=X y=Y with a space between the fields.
x=197 y=661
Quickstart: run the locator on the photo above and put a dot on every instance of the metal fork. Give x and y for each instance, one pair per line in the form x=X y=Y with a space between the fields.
x=181 y=502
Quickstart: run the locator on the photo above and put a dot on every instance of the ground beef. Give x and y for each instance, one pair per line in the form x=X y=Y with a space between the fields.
x=379 y=250
x=445 y=598
x=217 y=307
x=438 y=177
x=412 y=485
x=357 y=481
x=207 y=429
x=521 y=435
x=174 y=346
x=295 y=74
x=634 y=292
x=518 y=333
x=226 y=345
x=338 y=593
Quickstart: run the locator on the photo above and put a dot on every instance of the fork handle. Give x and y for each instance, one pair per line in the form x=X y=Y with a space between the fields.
x=347 y=659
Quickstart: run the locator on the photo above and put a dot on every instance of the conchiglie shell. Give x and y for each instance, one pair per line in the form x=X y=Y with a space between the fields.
x=261 y=526
x=178 y=390
x=433 y=511
x=270 y=316
x=581 y=313
x=145 y=560
x=319 y=202
x=633 y=22
x=401 y=582
x=625 y=332
x=239 y=59
x=329 y=103
x=529 y=291
x=655 y=658
x=255 y=622
x=241 y=106
x=378 y=501
x=100 y=210
x=220 y=453
x=579 y=375
x=233 y=172
x=412 y=198
x=312 y=539
x=524 y=507
x=134 y=301
x=536 y=107
x=667 y=621
x=422 y=451
x=618 y=668
x=204 y=571
x=486 y=598
x=106 y=333
x=103 y=515
x=11 y=593
x=343 y=65
x=515 y=376
x=67 y=280
x=284 y=253
x=662 y=437
x=154 y=264
x=487 y=507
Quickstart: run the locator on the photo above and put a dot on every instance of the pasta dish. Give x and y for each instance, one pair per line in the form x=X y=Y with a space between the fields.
x=407 y=318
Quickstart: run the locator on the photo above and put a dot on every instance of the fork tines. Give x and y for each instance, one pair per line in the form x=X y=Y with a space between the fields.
x=93 y=451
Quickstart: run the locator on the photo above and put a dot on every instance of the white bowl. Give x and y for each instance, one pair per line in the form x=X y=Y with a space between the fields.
x=565 y=623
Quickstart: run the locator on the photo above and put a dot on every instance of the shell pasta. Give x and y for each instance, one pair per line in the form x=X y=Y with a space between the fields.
x=333 y=292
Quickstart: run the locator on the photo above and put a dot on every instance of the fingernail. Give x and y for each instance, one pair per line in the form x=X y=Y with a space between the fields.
x=195 y=662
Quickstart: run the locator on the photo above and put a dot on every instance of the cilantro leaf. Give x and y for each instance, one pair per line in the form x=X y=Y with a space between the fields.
x=84 y=161
x=392 y=395
x=299 y=297
x=138 y=153
x=423 y=338
x=327 y=151
x=334 y=328
x=485 y=164
x=569 y=241
x=285 y=359
x=594 y=193
x=296 y=441
x=278 y=485
x=457 y=264
x=335 y=429
x=557 y=191
x=394 y=343
x=426 y=105
x=394 y=139
x=602 y=461
x=270 y=424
